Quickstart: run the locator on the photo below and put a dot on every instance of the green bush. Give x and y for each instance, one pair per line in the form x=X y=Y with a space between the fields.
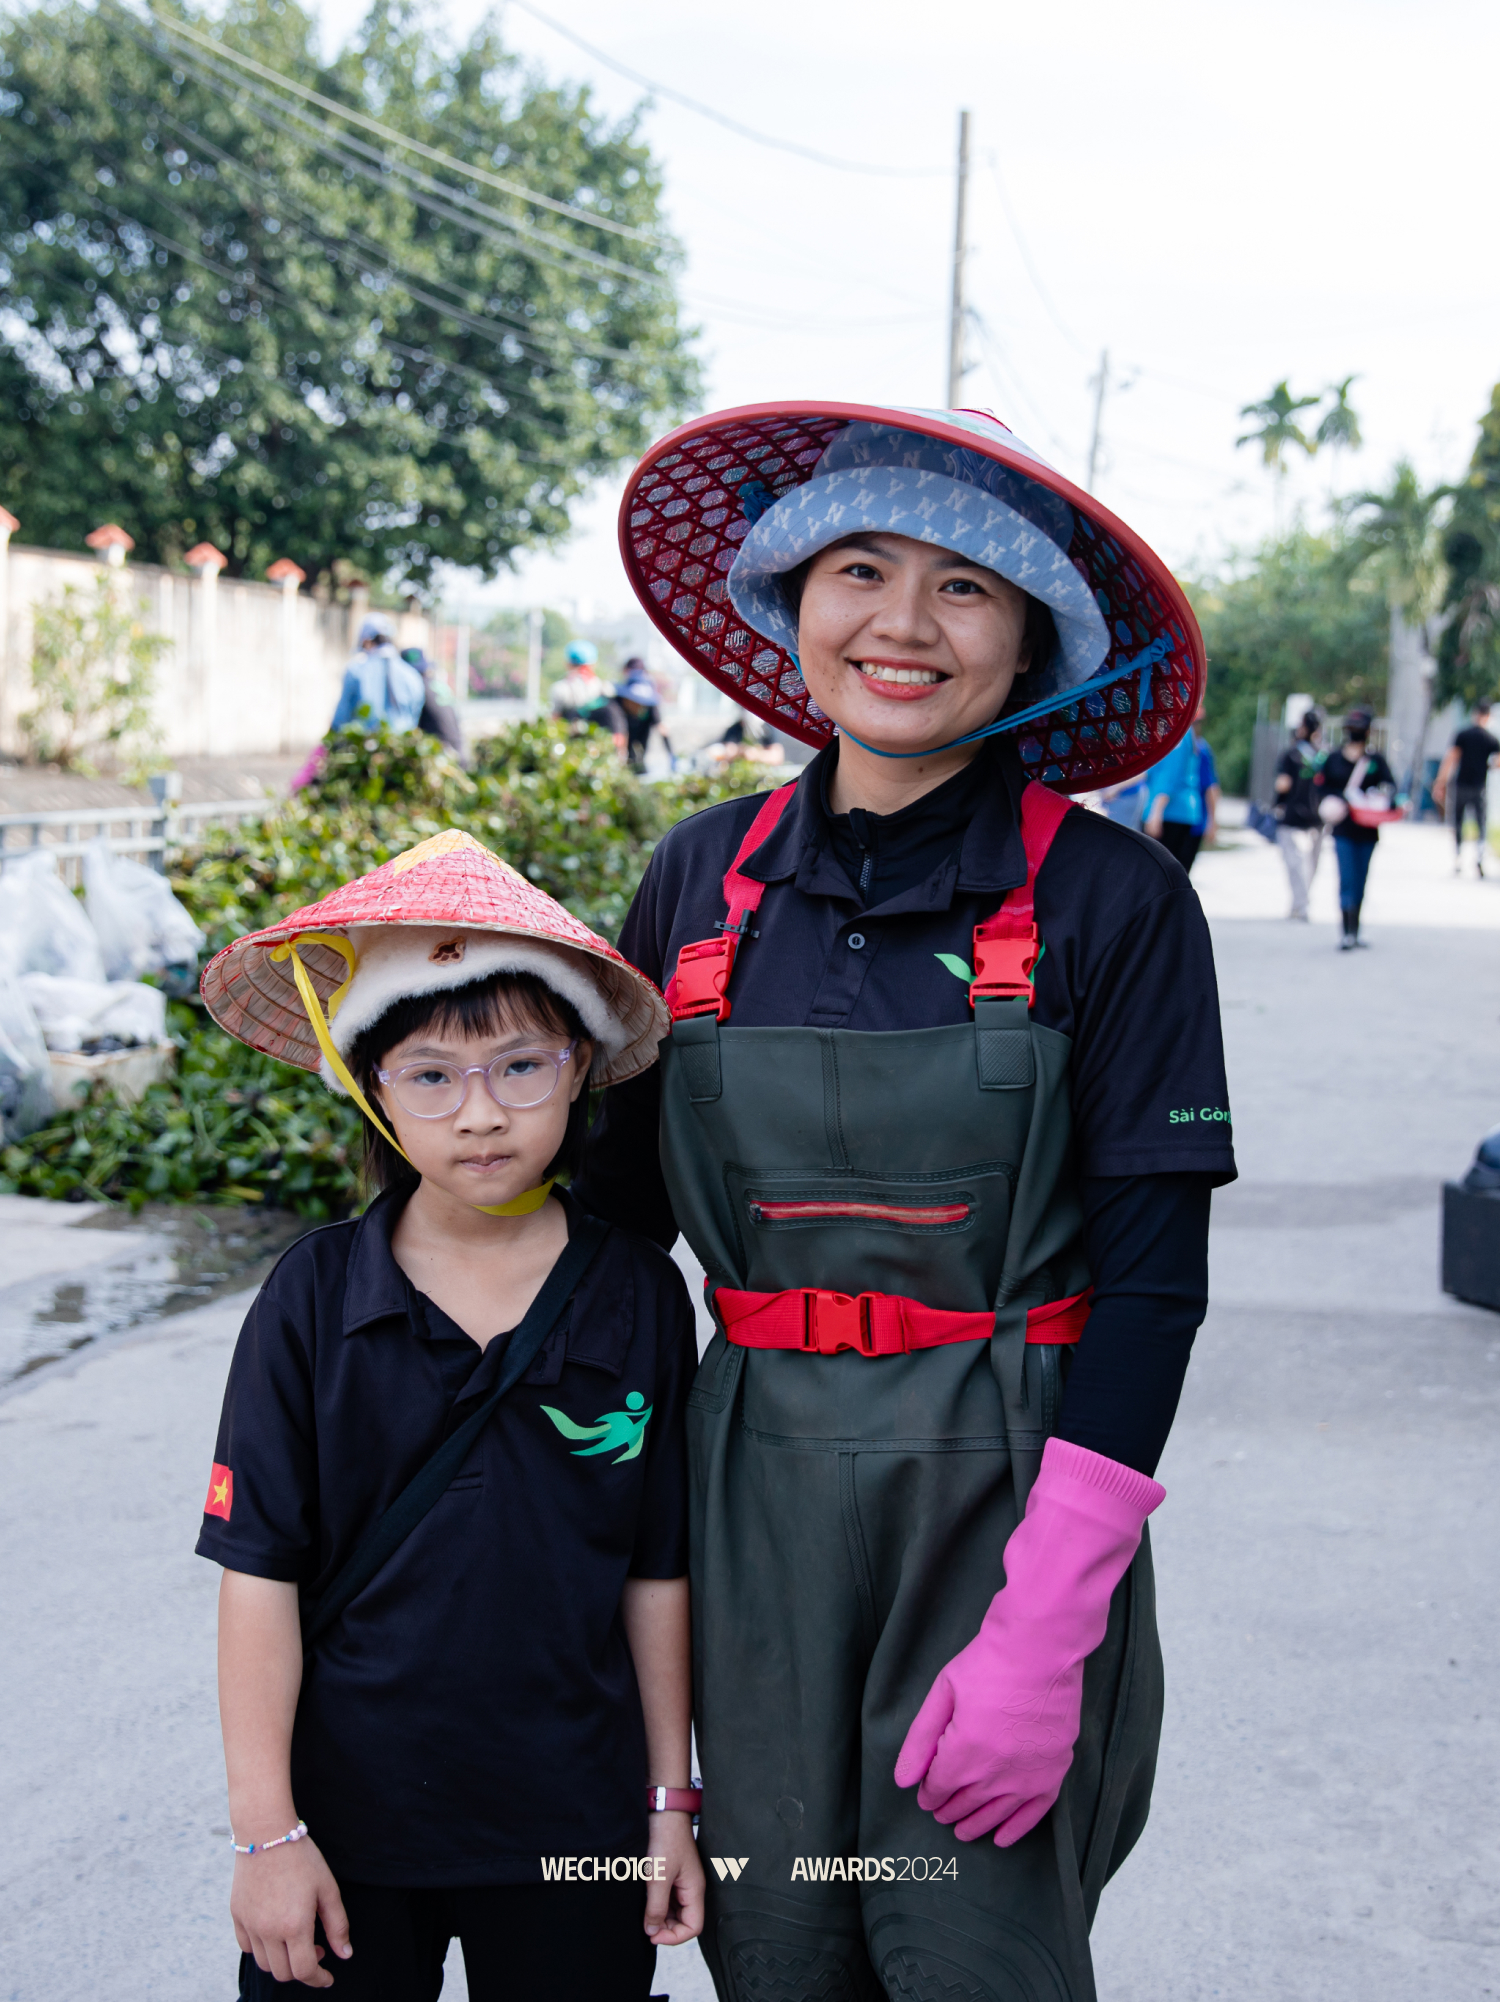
x=234 y=1126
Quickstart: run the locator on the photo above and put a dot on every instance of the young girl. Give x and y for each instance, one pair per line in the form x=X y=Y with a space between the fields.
x=458 y=1734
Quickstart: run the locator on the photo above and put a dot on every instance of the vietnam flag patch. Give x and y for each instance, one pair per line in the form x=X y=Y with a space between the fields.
x=220 y=1492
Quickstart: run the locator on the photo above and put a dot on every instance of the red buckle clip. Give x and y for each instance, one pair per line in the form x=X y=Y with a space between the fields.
x=1004 y=966
x=703 y=970
x=834 y=1321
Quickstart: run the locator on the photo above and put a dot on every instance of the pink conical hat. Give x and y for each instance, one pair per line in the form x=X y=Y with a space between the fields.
x=445 y=913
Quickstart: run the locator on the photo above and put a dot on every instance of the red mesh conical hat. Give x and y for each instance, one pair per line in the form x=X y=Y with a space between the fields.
x=697 y=494
x=460 y=913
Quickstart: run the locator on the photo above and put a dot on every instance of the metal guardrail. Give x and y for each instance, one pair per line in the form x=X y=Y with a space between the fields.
x=147 y=832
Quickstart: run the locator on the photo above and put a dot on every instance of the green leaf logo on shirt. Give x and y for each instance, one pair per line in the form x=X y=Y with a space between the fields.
x=961 y=969
x=610 y=1429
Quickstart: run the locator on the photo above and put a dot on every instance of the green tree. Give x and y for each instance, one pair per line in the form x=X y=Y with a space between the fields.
x=1469 y=653
x=1275 y=430
x=1394 y=540
x=1393 y=536
x=401 y=307
x=1295 y=618
x=1338 y=427
x=93 y=672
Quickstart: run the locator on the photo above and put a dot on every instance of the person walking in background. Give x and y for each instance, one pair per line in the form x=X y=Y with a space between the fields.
x=1465 y=772
x=636 y=696
x=1299 y=831
x=580 y=689
x=379 y=686
x=439 y=716
x=1175 y=815
x=1208 y=787
x=1355 y=789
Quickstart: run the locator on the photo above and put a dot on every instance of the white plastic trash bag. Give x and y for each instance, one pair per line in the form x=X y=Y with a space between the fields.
x=140 y=925
x=80 y=1014
x=25 y=1079
x=43 y=927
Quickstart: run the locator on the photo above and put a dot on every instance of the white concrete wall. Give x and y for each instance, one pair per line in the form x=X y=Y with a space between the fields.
x=252 y=670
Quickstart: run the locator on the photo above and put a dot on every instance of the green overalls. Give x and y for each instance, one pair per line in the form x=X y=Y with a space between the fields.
x=850 y=1509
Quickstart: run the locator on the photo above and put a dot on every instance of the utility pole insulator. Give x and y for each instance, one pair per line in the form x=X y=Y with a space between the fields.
x=956 y=369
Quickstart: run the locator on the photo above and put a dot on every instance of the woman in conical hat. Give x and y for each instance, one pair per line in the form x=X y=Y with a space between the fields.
x=454 y=1618
x=940 y=1112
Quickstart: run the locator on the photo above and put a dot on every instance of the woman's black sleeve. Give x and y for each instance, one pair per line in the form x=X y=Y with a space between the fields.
x=621 y=1178
x=1147 y=1243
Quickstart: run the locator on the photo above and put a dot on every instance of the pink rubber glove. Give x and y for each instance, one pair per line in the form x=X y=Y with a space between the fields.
x=992 y=1744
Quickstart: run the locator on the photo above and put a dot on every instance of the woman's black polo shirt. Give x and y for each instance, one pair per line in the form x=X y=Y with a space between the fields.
x=1126 y=972
x=475 y=1708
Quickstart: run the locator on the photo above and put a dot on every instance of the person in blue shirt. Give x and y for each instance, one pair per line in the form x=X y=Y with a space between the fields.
x=379 y=686
x=1175 y=815
x=1208 y=786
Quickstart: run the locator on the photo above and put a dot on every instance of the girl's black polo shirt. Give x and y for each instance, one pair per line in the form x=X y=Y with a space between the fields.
x=475 y=1709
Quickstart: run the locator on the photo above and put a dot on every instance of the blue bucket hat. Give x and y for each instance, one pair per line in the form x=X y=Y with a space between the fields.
x=878 y=477
x=722 y=508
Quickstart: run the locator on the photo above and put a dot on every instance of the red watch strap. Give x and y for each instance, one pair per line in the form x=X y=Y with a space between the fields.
x=674 y=1800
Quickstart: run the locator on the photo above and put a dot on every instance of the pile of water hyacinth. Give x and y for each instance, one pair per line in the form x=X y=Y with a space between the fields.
x=236 y=1127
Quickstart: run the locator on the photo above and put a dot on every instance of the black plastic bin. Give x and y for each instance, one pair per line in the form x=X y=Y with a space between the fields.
x=1471 y=1244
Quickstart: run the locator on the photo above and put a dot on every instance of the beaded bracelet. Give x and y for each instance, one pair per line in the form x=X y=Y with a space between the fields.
x=253 y=1848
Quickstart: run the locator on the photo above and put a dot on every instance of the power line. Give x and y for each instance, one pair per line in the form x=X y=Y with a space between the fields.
x=999 y=360
x=720 y=117
x=467 y=168
x=508 y=394
x=332 y=146
x=236 y=365
x=495 y=324
x=1031 y=270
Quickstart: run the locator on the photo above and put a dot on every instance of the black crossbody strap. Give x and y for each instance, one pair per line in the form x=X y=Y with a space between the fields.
x=389 y=1531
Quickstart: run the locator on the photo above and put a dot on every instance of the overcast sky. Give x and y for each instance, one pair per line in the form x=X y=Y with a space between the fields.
x=1219 y=195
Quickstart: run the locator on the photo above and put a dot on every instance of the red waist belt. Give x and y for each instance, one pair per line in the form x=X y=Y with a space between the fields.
x=875 y=1324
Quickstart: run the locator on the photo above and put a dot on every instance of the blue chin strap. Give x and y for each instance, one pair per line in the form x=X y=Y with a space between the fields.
x=1142 y=665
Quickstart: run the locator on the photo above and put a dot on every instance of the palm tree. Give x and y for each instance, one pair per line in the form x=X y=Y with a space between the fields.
x=1393 y=537
x=1276 y=433
x=1339 y=427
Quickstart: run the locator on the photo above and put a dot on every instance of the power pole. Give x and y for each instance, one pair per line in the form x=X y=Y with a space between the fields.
x=960 y=249
x=1097 y=384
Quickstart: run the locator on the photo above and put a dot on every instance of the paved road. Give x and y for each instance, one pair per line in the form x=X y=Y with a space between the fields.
x=1324 y=1827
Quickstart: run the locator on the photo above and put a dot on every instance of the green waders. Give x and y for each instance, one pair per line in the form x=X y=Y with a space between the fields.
x=850 y=1512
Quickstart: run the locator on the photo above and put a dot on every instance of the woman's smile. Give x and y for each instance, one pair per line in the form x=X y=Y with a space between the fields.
x=902 y=680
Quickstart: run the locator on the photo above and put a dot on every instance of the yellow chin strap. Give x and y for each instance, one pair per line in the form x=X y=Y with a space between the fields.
x=523 y=1205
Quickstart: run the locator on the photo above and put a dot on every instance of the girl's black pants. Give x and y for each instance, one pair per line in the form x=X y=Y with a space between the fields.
x=521 y=1943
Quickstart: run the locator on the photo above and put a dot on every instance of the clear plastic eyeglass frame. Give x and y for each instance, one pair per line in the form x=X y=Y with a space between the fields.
x=448 y=1084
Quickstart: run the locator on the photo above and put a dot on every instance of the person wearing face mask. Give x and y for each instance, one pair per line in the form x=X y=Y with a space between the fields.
x=940 y=1114
x=1356 y=788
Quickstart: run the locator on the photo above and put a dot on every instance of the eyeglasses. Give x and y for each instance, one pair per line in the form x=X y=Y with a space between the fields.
x=519 y=1080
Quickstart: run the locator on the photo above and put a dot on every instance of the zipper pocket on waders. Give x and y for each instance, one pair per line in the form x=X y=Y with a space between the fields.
x=907 y=1216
